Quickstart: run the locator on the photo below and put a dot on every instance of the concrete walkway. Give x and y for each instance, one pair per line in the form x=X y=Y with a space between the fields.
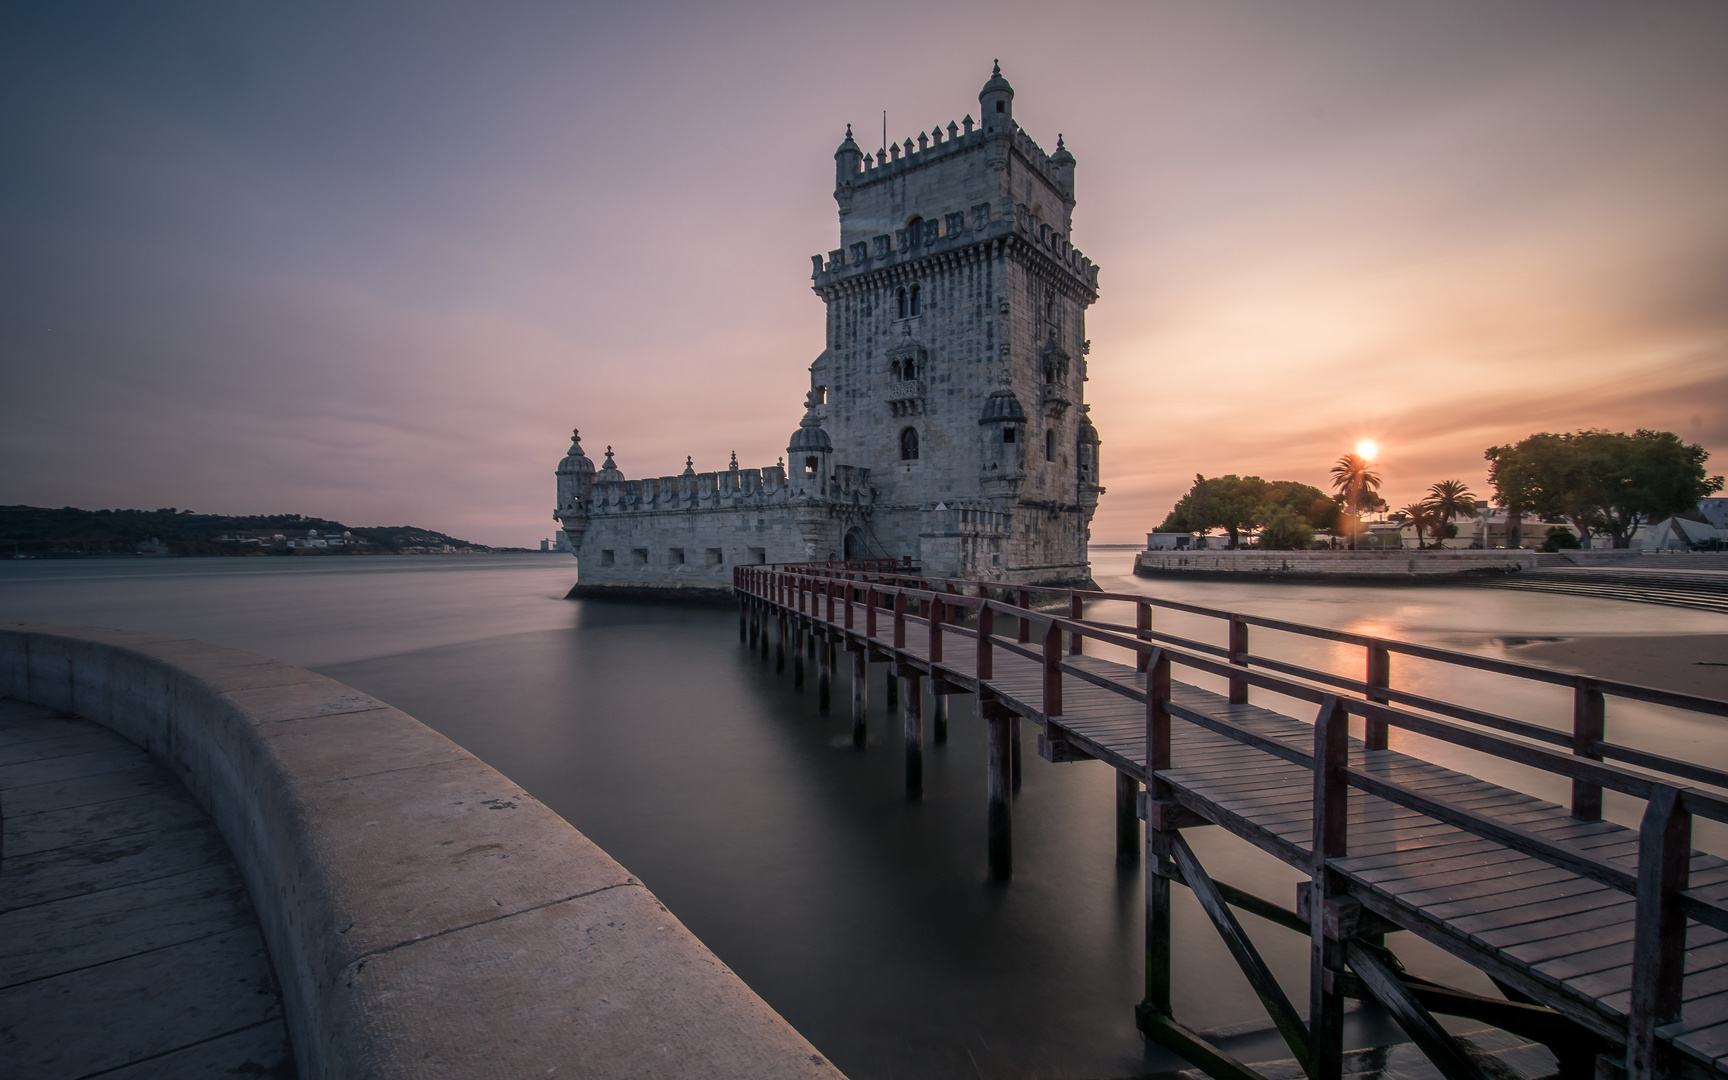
x=128 y=946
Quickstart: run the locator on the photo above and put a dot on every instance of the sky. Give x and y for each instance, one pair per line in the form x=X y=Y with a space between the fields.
x=372 y=262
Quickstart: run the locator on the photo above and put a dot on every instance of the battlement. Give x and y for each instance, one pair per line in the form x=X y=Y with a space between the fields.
x=946 y=232
x=728 y=490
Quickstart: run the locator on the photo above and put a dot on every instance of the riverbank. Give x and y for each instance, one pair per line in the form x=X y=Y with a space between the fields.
x=1335 y=565
x=1690 y=663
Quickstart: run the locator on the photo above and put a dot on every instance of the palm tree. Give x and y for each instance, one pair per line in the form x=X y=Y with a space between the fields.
x=1357 y=482
x=1449 y=499
x=1422 y=516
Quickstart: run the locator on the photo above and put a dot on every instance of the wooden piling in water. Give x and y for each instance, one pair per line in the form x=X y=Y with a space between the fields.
x=998 y=788
x=860 y=696
x=939 y=716
x=1127 y=818
x=824 y=672
x=912 y=719
x=798 y=657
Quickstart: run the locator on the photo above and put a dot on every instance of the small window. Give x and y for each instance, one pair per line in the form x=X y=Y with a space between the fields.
x=915 y=231
x=677 y=556
x=810 y=464
x=716 y=556
x=640 y=555
x=1008 y=433
x=1050 y=444
x=758 y=555
x=914 y=300
x=909 y=444
x=1001 y=107
x=894 y=370
x=900 y=296
x=606 y=558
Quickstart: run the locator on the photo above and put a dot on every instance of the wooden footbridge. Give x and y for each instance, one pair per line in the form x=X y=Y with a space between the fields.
x=1610 y=944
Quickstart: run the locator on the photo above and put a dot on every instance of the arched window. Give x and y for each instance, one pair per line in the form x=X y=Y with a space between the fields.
x=1000 y=107
x=910 y=368
x=1049 y=444
x=914 y=303
x=915 y=231
x=1008 y=433
x=900 y=295
x=810 y=464
x=894 y=370
x=909 y=444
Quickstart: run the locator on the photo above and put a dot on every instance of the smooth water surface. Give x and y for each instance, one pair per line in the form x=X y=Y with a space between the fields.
x=864 y=919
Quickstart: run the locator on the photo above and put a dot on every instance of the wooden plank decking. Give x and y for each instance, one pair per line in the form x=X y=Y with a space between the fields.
x=1561 y=938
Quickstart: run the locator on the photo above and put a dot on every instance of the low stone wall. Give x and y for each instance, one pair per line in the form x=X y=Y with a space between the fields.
x=1360 y=565
x=425 y=916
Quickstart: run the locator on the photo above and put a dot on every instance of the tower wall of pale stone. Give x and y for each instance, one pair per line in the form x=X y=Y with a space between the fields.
x=1001 y=302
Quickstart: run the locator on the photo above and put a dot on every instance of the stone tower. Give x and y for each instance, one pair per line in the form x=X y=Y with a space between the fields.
x=955 y=364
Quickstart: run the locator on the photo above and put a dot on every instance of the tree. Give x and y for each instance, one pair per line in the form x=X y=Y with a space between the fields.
x=1286 y=530
x=1601 y=481
x=1421 y=515
x=1237 y=504
x=1357 y=485
x=1449 y=499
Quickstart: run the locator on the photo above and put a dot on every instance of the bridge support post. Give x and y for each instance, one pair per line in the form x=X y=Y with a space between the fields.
x=1014 y=752
x=797 y=656
x=938 y=716
x=1333 y=916
x=999 y=787
x=1127 y=819
x=780 y=643
x=893 y=691
x=860 y=695
x=912 y=719
x=824 y=672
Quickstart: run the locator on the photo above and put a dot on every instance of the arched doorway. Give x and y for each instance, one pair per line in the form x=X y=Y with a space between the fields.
x=852 y=544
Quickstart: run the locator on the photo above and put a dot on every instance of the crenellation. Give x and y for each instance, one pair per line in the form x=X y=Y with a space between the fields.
x=945 y=420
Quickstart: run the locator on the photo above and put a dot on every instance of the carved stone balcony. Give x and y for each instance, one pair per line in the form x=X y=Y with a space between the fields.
x=906 y=398
x=1053 y=399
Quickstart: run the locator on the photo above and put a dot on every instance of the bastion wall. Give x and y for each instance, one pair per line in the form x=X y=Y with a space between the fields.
x=425 y=916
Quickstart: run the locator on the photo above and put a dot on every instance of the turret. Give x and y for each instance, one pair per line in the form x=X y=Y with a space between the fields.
x=575 y=484
x=1086 y=463
x=810 y=454
x=1063 y=162
x=609 y=472
x=846 y=164
x=997 y=101
x=1002 y=444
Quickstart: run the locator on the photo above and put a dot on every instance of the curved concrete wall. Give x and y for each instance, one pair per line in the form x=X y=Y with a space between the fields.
x=426 y=917
x=1336 y=564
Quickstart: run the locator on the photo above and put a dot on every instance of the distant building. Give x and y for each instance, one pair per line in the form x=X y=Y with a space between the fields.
x=946 y=419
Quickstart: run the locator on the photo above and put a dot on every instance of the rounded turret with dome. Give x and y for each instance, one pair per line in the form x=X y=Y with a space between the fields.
x=847 y=161
x=996 y=99
x=575 y=474
x=809 y=450
x=609 y=472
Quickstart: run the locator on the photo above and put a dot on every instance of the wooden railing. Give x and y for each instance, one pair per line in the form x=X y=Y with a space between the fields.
x=1664 y=902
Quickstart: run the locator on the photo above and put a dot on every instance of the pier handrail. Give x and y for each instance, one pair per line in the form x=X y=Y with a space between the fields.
x=1658 y=881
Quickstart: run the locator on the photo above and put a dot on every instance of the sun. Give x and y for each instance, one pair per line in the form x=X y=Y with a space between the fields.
x=1368 y=449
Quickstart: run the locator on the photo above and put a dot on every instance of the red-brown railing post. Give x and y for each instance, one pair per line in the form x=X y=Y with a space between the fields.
x=1157 y=717
x=848 y=595
x=899 y=619
x=1143 y=631
x=1659 y=933
x=1239 y=657
x=1052 y=670
x=828 y=596
x=798 y=583
x=936 y=614
x=1589 y=725
x=869 y=611
x=1375 y=733
x=985 y=661
x=1025 y=601
x=1074 y=614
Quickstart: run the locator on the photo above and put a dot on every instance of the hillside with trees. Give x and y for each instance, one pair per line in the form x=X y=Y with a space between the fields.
x=42 y=531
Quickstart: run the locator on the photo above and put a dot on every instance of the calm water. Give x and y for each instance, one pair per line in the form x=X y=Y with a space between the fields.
x=865 y=920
